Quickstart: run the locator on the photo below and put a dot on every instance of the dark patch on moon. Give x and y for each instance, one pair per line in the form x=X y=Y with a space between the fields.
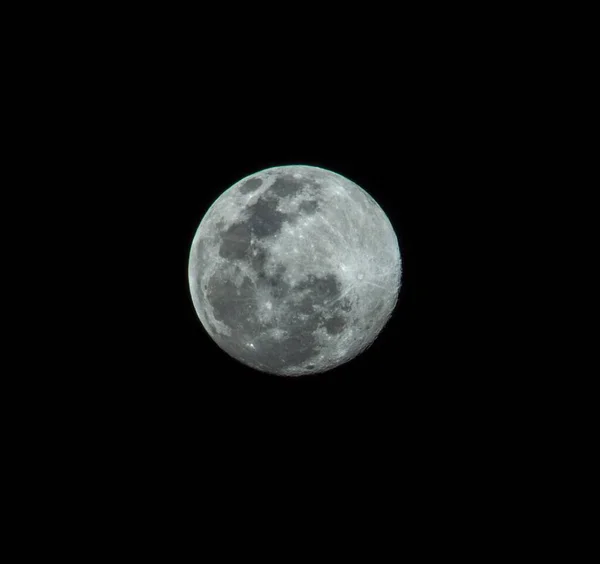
x=250 y=185
x=278 y=287
x=275 y=282
x=286 y=185
x=298 y=347
x=235 y=242
x=269 y=354
x=320 y=289
x=335 y=325
x=308 y=207
x=306 y=305
x=237 y=308
x=233 y=306
x=305 y=325
x=265 y=220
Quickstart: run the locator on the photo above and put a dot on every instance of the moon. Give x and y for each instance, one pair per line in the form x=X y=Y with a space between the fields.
x=294 y=270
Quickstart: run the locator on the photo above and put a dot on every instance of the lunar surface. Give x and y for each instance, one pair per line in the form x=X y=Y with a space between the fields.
x=294 y=270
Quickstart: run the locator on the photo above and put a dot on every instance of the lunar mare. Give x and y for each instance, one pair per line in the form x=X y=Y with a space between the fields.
x=294 y=270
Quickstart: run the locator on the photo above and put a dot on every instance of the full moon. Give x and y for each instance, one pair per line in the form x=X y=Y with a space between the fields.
x=294 y=270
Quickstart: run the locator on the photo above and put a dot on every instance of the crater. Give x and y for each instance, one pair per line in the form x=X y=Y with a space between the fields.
x=250 y=185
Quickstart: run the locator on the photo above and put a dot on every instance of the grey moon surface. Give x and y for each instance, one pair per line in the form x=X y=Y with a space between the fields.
x=294 y=270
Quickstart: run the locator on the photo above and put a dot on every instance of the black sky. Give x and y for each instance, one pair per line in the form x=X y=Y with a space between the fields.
x=184 y=144
x=162 y=129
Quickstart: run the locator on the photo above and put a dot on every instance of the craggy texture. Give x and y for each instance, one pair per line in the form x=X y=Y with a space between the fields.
x=294 y=270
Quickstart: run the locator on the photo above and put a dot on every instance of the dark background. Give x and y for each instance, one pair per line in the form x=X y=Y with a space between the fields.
x=164 y=130
x=130 y=412
x=142 y=121
x=157 y=123
x=414 y=145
